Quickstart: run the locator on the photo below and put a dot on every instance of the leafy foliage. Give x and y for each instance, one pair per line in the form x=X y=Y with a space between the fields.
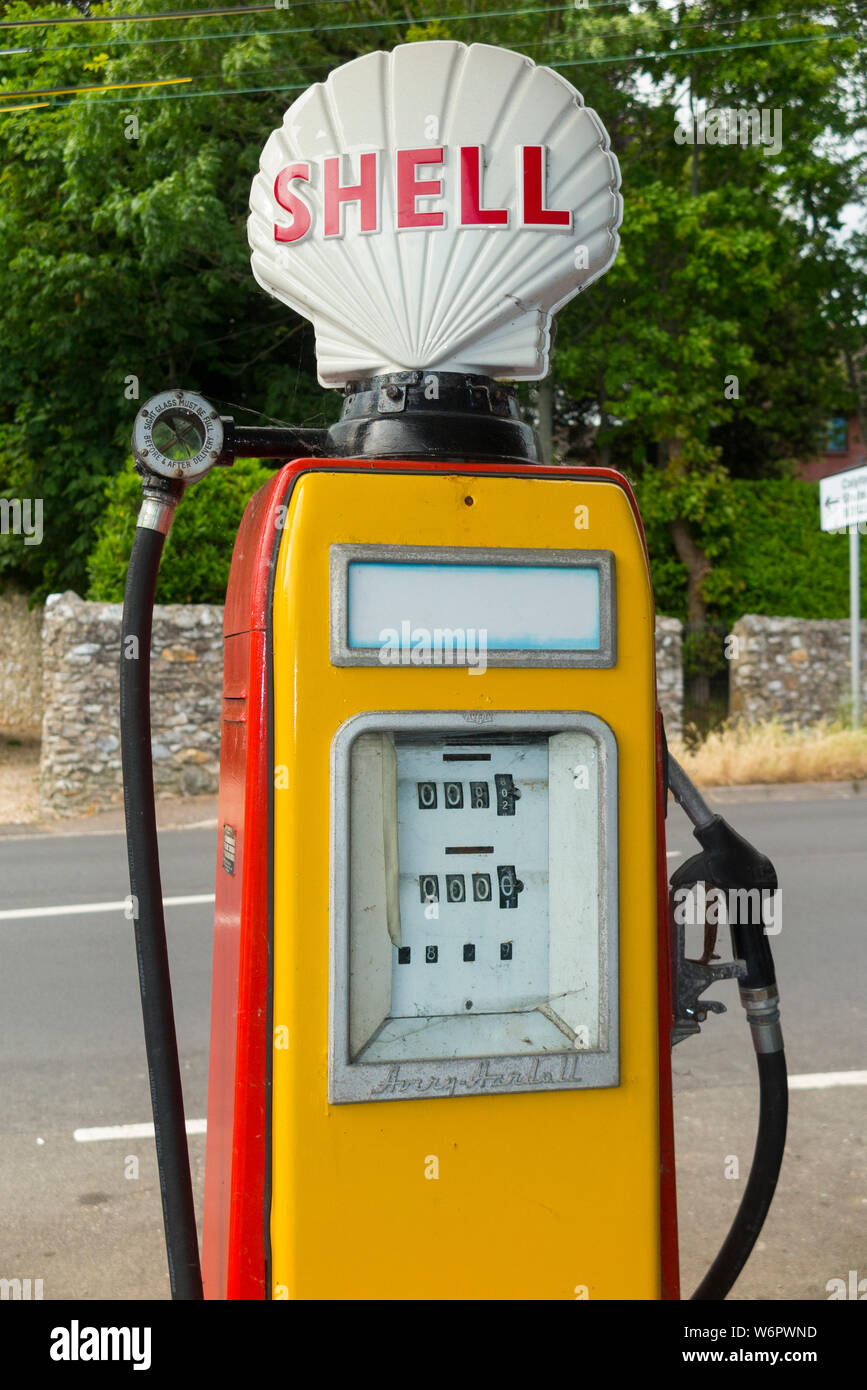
x=786 y=566
x=198 y=549
x=770 y=555
x=707 y=500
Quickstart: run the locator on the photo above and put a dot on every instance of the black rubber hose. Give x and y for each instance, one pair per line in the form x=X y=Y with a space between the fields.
x=759 y=1191
x=729 y=861
x=173 y=1158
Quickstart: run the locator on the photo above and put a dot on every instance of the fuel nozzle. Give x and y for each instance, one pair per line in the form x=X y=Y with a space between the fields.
x=731 y=864
x=747 y=877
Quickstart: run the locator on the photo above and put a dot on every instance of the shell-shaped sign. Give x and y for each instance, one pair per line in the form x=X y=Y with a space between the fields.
x=433 y=207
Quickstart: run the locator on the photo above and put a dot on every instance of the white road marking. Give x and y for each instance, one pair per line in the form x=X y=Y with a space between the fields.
x=806 y=1081
x=58 y=833
x=88 y=1136
x=821 y=1080
x=13 y=914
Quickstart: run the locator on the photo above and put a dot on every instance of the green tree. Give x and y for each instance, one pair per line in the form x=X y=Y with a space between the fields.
x=125 y=266
x=714 y=348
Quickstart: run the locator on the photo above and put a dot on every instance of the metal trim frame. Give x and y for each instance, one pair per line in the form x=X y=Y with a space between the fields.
x=471 y=1076
x=342 y=556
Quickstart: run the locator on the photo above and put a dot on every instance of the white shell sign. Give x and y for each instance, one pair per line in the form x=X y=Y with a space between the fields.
x=433 y=207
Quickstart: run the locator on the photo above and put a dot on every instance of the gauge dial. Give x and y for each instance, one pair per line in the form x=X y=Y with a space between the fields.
x=177 y=435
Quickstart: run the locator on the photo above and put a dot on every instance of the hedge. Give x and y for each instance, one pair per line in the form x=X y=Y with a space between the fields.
x=198 y=551
x=770 y=555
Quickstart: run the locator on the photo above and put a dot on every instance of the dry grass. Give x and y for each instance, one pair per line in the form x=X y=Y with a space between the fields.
x=19 y=780
x=730 y=756
x=736 y=754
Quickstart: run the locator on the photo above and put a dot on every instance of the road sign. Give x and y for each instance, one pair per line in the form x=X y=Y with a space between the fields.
x=843 y=499
x=842 y=506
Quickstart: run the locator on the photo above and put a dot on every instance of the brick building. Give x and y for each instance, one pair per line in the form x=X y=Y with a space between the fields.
x=844 y=448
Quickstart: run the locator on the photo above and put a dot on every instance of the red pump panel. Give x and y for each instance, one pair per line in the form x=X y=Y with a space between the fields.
x=233 y=1246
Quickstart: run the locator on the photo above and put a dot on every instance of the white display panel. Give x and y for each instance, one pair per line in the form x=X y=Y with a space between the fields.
x=443 y=606
x=474 y=915
x=517 y=607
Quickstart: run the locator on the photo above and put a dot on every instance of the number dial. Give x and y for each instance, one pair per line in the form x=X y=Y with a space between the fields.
x=469 y=854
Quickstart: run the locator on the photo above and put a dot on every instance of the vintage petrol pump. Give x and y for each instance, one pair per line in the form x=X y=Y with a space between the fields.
x=446 y=981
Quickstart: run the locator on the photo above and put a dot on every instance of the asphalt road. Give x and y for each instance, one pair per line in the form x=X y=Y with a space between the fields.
x=817 y=1228
x=85 y=1216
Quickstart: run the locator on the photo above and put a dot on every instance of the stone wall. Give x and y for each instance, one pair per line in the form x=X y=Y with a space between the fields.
x=792 y=669
x=20 y=666
x=80 y=768
x=669 y=673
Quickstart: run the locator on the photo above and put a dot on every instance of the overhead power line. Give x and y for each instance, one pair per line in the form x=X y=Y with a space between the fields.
x=98 y=87
x=399 y=22
x=140 y=18
x=166 y=15
x=233 y=9
x=155 y=82
x=670 y=53
x=403 y=21
x=713 y=48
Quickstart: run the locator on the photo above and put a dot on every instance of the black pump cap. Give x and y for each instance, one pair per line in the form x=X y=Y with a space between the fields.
x=433 y=415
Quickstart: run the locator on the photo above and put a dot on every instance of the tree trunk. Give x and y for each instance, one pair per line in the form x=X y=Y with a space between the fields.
x=698 y=567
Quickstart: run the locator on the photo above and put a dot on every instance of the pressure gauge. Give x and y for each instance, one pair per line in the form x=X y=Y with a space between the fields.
x=177 y=435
